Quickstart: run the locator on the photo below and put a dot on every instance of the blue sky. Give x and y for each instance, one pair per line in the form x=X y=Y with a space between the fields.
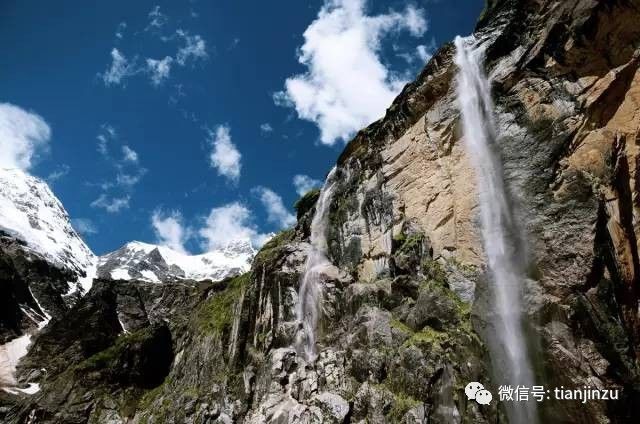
x=187 y=122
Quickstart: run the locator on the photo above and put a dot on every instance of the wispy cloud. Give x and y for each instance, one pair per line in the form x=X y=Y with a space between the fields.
x=225 y=157
x=111 y=204
x=194 y=48
x=125 y=163
x=181 y=48
x=119 y=69
x=341 y=52
x=84 y=226
x=304 y=183
x=170 y=230
x=59 y=172
x=159 y=70
x=157 y=19
x=266 y=128
x=23 y=136
x=129 y=155
x=277 y=213
x=122 y=26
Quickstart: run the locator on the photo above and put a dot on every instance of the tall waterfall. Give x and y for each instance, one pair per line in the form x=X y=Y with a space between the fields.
x=500 y=235
x=310 y=291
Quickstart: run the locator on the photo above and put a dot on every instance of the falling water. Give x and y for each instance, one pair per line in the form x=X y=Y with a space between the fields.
x=310 y=291
x=499 y=231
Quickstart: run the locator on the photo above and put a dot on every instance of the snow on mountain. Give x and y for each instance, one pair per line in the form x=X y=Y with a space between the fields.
x=149 y=262
x=30 y=212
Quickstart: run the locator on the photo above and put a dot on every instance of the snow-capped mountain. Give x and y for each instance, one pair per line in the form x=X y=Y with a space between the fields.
x=31 y=213
x=149 y=262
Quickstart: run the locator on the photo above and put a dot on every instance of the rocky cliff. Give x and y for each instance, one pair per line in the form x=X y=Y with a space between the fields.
x=404 y=308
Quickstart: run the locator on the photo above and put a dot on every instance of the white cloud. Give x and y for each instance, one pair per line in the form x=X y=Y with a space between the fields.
x=225 y=157
x=304 y=183
x=266 y=128
x=159 y=69
x=111 y=204
x=194 y=48
x=84 y=226
x=119 y=69
x=415 y=21
x=346 y=85
x=122 y=26
x=277 y=213
x=58 y=173
x=157 y=19
x=229 y=223
x=170 y=230
x=129 y=154
x=23 y=135
x=129 y=180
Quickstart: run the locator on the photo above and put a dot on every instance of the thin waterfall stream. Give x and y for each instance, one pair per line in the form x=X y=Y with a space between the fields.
x=310 y=291
x=508 y=347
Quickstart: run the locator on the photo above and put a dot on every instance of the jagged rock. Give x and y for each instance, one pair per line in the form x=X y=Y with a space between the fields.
x=333 y=407
x=406 y=307
x=433 y=307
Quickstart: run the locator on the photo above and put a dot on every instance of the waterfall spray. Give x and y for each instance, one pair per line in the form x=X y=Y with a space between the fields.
x=310 y=291
x=499 y=232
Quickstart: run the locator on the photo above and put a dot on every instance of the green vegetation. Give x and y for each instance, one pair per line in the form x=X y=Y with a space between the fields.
x=434 y=271
x=273 y=248
x=305 y=203
x=216 y=315
x=105 y=358
x=428 y=337
x=399 y=325
x=411 y=244
x=402 y=404
x=488 y=4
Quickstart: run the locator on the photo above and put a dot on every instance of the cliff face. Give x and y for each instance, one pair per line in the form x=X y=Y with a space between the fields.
x=405 y=311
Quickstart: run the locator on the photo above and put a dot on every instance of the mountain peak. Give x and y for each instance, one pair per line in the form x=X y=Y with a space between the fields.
x=156 y=263
x=31 y=213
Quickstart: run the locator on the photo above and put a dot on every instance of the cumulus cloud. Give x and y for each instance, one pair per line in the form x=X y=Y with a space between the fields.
x=304 y=183
x=159 y=69
x=230 y=222
x=111 y=204
x=277 y=213
x=119 y=69
x=194 y=48
x=346 y=85
x=225 y=157
x=170 y=230
x=23 y=135
x=84 y=226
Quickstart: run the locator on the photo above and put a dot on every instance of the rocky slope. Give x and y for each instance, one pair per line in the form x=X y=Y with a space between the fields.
x=405 y=311
x=148 y=262
x=44 y=265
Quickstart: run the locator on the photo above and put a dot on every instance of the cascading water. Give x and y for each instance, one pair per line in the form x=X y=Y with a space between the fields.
x=310 y=291
x=507 y=346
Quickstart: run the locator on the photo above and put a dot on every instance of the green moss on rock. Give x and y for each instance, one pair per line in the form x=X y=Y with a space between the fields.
x=272 y=250
x=434 y=271
x=216 y=314
x=307 y=202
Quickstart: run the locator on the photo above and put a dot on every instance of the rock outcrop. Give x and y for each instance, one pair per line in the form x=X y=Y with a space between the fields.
x=405 y=305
